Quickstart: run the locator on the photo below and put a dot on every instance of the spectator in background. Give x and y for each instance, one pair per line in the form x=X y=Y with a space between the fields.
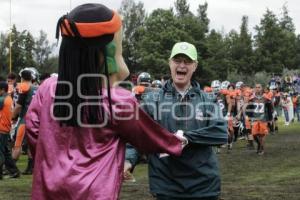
x=296 y=104
x=26 y=90
x=12 y=86
x=6 y=104
x=285 y=103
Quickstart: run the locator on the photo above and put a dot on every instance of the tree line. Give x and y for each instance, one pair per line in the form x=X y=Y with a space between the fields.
x=27 y=51
x=149 y=37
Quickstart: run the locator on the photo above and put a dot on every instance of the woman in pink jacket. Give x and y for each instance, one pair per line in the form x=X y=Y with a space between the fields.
x=76 y=126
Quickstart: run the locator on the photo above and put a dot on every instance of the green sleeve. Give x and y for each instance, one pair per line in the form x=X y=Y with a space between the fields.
x=213 y=133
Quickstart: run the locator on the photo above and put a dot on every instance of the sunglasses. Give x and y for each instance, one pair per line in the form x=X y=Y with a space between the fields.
x=185 y=60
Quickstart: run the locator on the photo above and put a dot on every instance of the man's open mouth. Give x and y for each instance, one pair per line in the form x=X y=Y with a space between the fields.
x=181 y=72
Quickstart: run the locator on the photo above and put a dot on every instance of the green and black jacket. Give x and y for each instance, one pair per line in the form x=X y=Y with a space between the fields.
x=195 y=173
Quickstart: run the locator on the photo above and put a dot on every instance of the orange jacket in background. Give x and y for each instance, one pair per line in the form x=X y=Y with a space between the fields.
x=207 y=89
x=6 y=114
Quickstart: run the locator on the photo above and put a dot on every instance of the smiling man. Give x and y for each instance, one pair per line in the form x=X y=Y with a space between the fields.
x=184 y=109
x=183 y=63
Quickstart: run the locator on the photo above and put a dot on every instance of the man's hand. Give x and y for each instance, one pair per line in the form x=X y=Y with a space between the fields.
x=182 y=138
x=127 y=176
x=127 y=166
x=16 y=152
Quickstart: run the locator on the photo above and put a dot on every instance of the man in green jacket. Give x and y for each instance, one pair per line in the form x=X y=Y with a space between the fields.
x=183 y=108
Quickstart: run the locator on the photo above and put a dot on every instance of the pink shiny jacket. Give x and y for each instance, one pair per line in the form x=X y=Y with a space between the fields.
x=87 y=163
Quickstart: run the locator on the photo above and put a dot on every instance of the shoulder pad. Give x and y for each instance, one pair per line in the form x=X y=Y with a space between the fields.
x=23 y=88
x=224 y=91
x=139 y=89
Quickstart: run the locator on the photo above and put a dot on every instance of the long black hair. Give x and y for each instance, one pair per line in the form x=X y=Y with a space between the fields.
x=82 y=53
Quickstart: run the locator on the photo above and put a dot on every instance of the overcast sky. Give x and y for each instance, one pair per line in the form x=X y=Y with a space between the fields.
x=34 y=15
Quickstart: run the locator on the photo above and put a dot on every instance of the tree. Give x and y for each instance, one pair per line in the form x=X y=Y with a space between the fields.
x=192 y=32
x=297 y=56
x=18 y=52
x=286 y=22
x=276 y=43
x=134 y=16
x=28 y=50
x=202 y=15
x=3 y=54
x=182 y=8
x=241 y=49
x=218 y=63
x=42 y=50
x=149 y=39
x=288 y=47
x=161 y=31
x=159 y=34
x=52 y=65
x=267 y=44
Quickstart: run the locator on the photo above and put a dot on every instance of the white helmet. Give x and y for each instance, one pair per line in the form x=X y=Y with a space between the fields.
x=144 y=78
x=34 y=73
x=225 y=85
x=156 y=84
x=273 y=86
x=216 y=85
x=238 y=84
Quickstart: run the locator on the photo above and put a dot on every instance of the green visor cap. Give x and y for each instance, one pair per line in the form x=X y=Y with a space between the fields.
x=186 y=49
x=110 y=58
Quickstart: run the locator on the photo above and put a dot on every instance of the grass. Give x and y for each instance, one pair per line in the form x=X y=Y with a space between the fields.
x=15 y=189
x=245 y=175
x=274 y=176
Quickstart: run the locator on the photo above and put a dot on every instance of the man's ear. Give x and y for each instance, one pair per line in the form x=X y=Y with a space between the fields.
x=195 y=66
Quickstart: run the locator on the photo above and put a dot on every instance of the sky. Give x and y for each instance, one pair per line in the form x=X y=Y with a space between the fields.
x=224 y=15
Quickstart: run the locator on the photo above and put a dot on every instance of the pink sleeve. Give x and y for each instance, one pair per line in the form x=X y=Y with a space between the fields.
x=140 y=130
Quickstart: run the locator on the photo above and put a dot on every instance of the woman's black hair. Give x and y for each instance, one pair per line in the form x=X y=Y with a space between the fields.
x=81 y=56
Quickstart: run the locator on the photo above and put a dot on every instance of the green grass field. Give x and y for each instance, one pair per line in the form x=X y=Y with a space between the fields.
x=245 y=175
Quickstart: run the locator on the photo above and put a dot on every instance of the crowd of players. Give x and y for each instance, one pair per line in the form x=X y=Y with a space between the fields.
x=251 y=112
x=15 y=98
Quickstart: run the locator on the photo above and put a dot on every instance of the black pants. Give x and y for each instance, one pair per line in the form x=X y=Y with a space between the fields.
x=5 y=155
x=163 y=197
x=236 y=133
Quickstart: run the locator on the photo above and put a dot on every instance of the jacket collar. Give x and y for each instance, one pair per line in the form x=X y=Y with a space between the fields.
x=169 y=87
